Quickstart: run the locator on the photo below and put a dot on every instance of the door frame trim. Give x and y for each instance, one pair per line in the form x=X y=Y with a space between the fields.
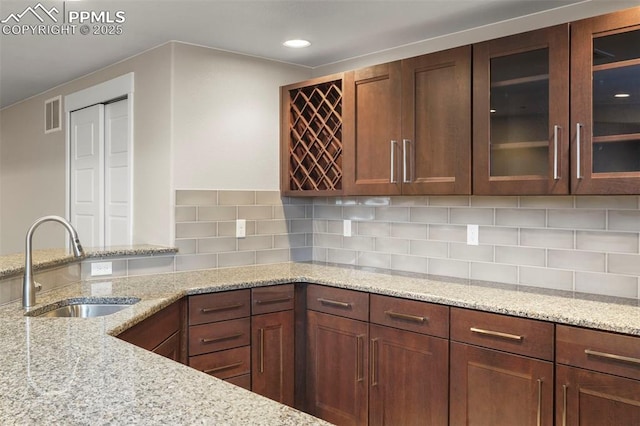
x=122 y=86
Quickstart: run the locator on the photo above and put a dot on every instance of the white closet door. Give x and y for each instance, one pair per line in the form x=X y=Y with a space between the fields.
x=87 y=174
x=117 y=174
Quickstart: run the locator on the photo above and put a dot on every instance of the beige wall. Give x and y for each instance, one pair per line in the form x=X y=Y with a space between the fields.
x=32 y=164
x=226 y=119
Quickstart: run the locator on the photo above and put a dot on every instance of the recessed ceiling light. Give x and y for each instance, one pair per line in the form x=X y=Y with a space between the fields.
x=492 y=111
x=621 y=95
x=297 y=44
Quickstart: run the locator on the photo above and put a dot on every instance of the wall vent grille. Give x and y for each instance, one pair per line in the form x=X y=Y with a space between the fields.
x=52 y=114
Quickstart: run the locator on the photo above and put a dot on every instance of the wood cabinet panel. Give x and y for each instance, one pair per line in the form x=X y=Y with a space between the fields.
x=272 y=355
x=411 y=315
x=517 y=335
x=489 y=387
x=243 y=381
x=224 y=364
x=271 y=299
x=598 y=350
x=222 y=306
x=587 y=398
x=171 y=348
x=338 y=301
x=408 y=378
x=151 y=332
x=337 y=369
x=219 y=335
x=436 y=123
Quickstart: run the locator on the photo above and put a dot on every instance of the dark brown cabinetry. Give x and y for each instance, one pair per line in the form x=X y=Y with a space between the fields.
x=598 y=378
x=407 y=126
x=312 y=137
x=521 y=113
x=161 y=333
x=605 y=106
x=496 y=376
x=272 y=343
x=220 y=334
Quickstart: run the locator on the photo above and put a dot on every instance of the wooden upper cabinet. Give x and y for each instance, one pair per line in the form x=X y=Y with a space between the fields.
x=521 y=113
x=408 y=126
x=605 y=104
x=311 y=137
x=436 y=123
x=372 y=130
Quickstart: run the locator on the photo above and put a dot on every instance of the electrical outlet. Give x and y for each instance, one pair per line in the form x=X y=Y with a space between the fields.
x=472 y=235
x=346 y=228
x=101 y=268
x=241 y=228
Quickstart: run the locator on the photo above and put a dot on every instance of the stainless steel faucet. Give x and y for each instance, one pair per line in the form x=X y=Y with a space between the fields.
x=29 y=286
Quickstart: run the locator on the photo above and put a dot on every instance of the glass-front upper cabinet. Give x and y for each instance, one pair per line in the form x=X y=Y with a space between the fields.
x=521 y=113
x=605 y=104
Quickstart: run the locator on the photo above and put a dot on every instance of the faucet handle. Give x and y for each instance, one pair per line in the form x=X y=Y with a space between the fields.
x=38 y=286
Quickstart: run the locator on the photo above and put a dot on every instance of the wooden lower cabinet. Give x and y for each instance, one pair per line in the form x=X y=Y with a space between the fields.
x=409 y=377
x=272 y=356
x=494 y=388
x=589 y=398
x=337 y=368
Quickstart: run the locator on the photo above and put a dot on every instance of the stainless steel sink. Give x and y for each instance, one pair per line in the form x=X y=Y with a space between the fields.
x=84 y=309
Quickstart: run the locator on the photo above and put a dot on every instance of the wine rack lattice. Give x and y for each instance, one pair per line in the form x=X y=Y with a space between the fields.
x=315 y=127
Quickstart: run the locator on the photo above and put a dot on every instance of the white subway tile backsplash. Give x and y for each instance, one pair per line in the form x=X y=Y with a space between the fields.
x=289 y=240
x=236 y=258
x=409 y=201
x=577 y=260
x=391 y=245
x=255 y=242
x=556 y=279
x=493 y=202
x=216 y=213
x=272 y=256
x=454 y=233
x=276 y=226
x=544 y=202
x=346 y=257
x=186 y=213
x=607 y=284
x=608 y=202
x=628 y=264
x=392 y=214
x=616 y=242
x=327 y=240
x=529 y=218
x=477 y=216
x=449 y=200
x=358 y=243
x=301 y=225
x=374 y=260
x=494 y=272
x=577 y=219
x=551 y=238
x=409 y=263
x=429 y=248
x=196 y=261
x=621 y=220
x=327 y=212
x=358 y=212
x=269 y=198
x=410 y=231
x=520 y=256
x=186 y=246
x=497 y=235
x=301 y=254
x=216 y=245
x=196 y=198
x=236 y=198
x=429 y=214
x=374 y=229
x=255 y=212
x=150 y=265
x=462 y=251
x=196 y=229
x=449 y=268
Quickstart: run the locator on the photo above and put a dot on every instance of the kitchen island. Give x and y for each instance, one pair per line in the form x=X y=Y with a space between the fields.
x=73 y=371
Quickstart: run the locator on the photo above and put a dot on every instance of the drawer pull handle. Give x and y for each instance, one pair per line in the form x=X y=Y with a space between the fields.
x=221 y=338
x=539 y=413
x=406 y=317
x=261 y=348
x=222 y=368
x=496 y=334
x=334 y=303
x=270 y=301
x=564 y=405
x=221 y=308
x=614 y=357
x=374 y=365
x=359 y=358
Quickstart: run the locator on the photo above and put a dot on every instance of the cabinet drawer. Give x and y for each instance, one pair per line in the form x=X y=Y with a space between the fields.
x=224 y=364
x=598 y=350
x=518 y=335
x=338 y=301
x=411 y=315
x=243 y=381
x=219 y=335
x=212 y=307
x=271 y=299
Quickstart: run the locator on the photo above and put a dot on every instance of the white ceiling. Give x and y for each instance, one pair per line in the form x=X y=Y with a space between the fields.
x=337 y=29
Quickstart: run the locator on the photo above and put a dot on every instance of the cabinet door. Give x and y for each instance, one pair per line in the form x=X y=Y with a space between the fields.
x=587 y=398
x=272 y=356
x=605 y=104
x=408 y=378
x=337 y=369
x=436 y=123
x=171 y=348
x=496 y=388
x=372 y=130
x=521 y=113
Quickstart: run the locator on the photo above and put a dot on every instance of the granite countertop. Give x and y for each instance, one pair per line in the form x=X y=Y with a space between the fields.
x=72 y=371
x=13 y=264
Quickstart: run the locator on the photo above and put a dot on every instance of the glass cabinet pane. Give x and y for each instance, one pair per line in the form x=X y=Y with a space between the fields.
x=519 y=122
x=616 y=103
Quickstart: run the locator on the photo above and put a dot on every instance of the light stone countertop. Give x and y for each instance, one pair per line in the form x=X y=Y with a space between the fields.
x=13 y=264
x=72 y=371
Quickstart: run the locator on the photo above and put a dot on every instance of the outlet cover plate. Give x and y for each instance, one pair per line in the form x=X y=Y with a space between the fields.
x=101 y=268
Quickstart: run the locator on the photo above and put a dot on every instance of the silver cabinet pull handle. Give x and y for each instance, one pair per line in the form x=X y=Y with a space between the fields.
x=270 y=301
x=406 y=317
x=359 y=358
x=392 y=179
x=578 y=149
x=221 y=338
x=614 y=357
x=261 y=348
x=539 y=416
x=220 y=308
x=406 y=177
x=374 y=378
x=556 y=172
x=564 y=405
x=496 y=334
x=334 y=303
x=224 y=367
